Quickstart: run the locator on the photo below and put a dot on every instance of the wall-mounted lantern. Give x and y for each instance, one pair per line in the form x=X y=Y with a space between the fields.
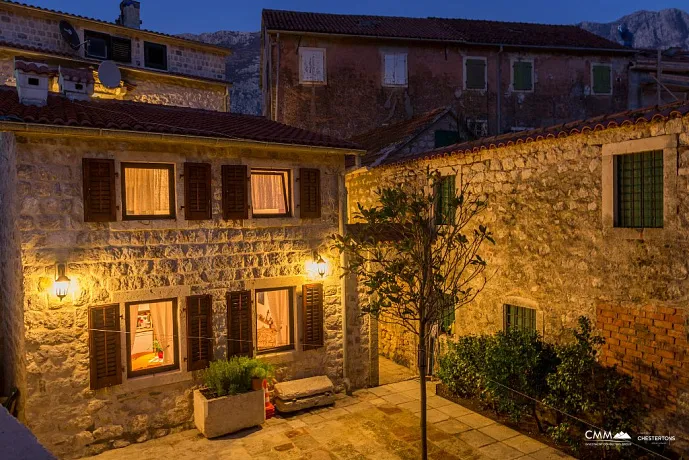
x=61 y=285
x=321 y=266
x=317 y=267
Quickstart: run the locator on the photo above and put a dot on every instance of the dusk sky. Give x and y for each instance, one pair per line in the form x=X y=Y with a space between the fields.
x=177 y=16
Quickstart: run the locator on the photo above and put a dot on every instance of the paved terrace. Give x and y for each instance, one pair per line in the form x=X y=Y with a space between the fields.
x=378 y=423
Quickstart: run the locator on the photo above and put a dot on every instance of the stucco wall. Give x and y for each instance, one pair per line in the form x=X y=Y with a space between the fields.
x=128 y=261
x=562 y=86
x=556 y=251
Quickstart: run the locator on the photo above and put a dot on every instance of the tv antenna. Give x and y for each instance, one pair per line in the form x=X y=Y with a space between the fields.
x=109 y=74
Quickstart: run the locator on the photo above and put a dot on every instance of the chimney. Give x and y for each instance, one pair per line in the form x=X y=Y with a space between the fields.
x=33 y=79
x=130 y=14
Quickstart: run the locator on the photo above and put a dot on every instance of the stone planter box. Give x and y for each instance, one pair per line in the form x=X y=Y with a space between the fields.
x=227 y=414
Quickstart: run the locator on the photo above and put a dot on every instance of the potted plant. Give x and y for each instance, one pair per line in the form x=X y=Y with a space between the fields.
x=259 y=371
x=158 y=349
x=227 y=402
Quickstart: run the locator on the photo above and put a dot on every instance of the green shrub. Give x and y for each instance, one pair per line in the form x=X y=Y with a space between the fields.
x=460 y=368
x=233 y=376
x=515 y=371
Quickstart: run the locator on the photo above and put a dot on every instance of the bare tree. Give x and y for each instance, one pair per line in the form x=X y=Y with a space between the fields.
x=417 y=256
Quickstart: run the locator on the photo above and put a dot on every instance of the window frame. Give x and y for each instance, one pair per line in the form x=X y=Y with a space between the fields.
x=406 y=69
x=147 y=45
x=114 y=38
x=601 y=64
x=617 y=184
x=514 y=61
x=289 y=193
x=99 y=35
x=175 y=328
x=292 y=345
x=173 y=207
x=303 y=49
x=505 y=316
x=485 y=73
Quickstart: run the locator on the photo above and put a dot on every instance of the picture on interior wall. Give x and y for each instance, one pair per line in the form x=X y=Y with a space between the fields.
x=274 y=318
x=151 y=332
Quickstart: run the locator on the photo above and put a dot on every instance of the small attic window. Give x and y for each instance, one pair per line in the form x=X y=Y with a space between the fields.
x=33 y=81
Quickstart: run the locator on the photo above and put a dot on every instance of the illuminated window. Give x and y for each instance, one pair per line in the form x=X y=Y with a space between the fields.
x=270 y=193
x=148 y=191
x=151 y=333
x=274 y=319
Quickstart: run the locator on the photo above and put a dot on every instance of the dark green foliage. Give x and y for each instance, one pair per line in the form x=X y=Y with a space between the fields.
x=233 y=376
x=461 y=367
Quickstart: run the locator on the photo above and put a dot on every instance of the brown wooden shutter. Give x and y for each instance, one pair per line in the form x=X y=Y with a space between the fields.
x=104 y=346
x=99 y=190
x=198 y=193
x=312 y=303
x=239 y=324
x=199 y=331
x=310 y=192
x=235 y=197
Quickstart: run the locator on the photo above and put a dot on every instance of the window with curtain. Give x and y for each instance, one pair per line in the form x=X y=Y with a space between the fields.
x=522 y=76
x=274 y=319
x=151 y=337
x=148 y=191
x=270 y=193
x=639 y=190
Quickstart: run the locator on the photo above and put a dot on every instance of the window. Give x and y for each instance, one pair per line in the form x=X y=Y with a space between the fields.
x=444 y=138
x=312 y=65
x=639 y=190
x=97 y=45
x=148 y=191
x=274 y=319
x=448 y=321
x=446 y=204
x=395 y=69
x=121 y=49
x=155 y=56
x=522 y=76
x=270 y=193
x=151 y=337
x=479 y=128
x=601 y=79
x=475 y=70
x=519 y=317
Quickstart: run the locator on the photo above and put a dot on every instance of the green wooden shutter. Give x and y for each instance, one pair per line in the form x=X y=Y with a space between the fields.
x=444 y=138
x=602 y=81
x=445 y=200
x=522 y=71
x=476 y=74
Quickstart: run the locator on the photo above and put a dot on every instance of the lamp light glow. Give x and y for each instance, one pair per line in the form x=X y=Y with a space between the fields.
x=321 y=266
x=61 y=285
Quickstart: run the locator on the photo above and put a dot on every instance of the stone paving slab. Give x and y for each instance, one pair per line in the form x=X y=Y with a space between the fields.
x=370 y=424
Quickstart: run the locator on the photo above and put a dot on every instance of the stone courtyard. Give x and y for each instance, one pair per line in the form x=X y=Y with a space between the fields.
x=377 y=423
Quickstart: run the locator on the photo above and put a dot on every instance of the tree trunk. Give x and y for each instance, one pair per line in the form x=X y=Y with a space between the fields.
x=422 y=379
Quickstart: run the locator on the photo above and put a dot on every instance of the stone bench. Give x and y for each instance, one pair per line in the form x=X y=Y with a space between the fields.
x=302 y=394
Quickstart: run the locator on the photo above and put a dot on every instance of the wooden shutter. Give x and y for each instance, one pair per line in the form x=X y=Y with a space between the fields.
x=235 y=196
x=523 y=76
x=199 y=331
x=99 y=190
x=476 y=74
x=104 y=346
x=198 y=194
x=121 y=49
x=310 y=192
x=239 y=324
x=602 y=82
x=312 y=314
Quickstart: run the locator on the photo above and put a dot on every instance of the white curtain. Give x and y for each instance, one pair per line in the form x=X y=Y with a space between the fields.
x=147 y=191
x=268 y=193
x=278 y=304
x=133 y=317
x=161 y=317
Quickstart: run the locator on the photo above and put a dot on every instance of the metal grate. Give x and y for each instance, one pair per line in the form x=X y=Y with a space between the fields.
x=639 y=190
x=519 y=317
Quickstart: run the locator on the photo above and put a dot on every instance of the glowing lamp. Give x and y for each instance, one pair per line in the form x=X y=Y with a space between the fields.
x=61 y=284
x=321 y=266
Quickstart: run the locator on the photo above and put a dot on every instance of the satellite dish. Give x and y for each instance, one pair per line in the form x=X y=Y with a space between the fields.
x=109 y=74
x=69 y=34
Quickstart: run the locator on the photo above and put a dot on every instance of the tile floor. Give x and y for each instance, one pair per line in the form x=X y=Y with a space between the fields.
x=391 y=372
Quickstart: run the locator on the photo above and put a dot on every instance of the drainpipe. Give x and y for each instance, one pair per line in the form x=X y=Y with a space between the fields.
x=499 y=89
x=277 y=78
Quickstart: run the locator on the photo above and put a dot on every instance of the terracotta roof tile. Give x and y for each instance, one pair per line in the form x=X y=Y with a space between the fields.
x=77 y=75
x=153 y=118
x=599 y=123
x=440 y=29
x=32 y=66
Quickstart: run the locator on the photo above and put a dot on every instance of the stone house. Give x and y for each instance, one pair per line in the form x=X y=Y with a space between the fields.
x=184 y=235
x=344 y=74
x=589 y=219
x=155 y=67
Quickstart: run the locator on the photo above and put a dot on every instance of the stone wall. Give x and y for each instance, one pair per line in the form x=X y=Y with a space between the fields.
x=562 y=90
x=145 y=260
x=556 y=251
x=649 y=342
x=426 y=140
x=12 y=364
x=40 y=30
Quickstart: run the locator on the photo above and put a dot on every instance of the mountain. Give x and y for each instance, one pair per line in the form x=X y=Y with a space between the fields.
x=242 y=67
x=650 y=29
